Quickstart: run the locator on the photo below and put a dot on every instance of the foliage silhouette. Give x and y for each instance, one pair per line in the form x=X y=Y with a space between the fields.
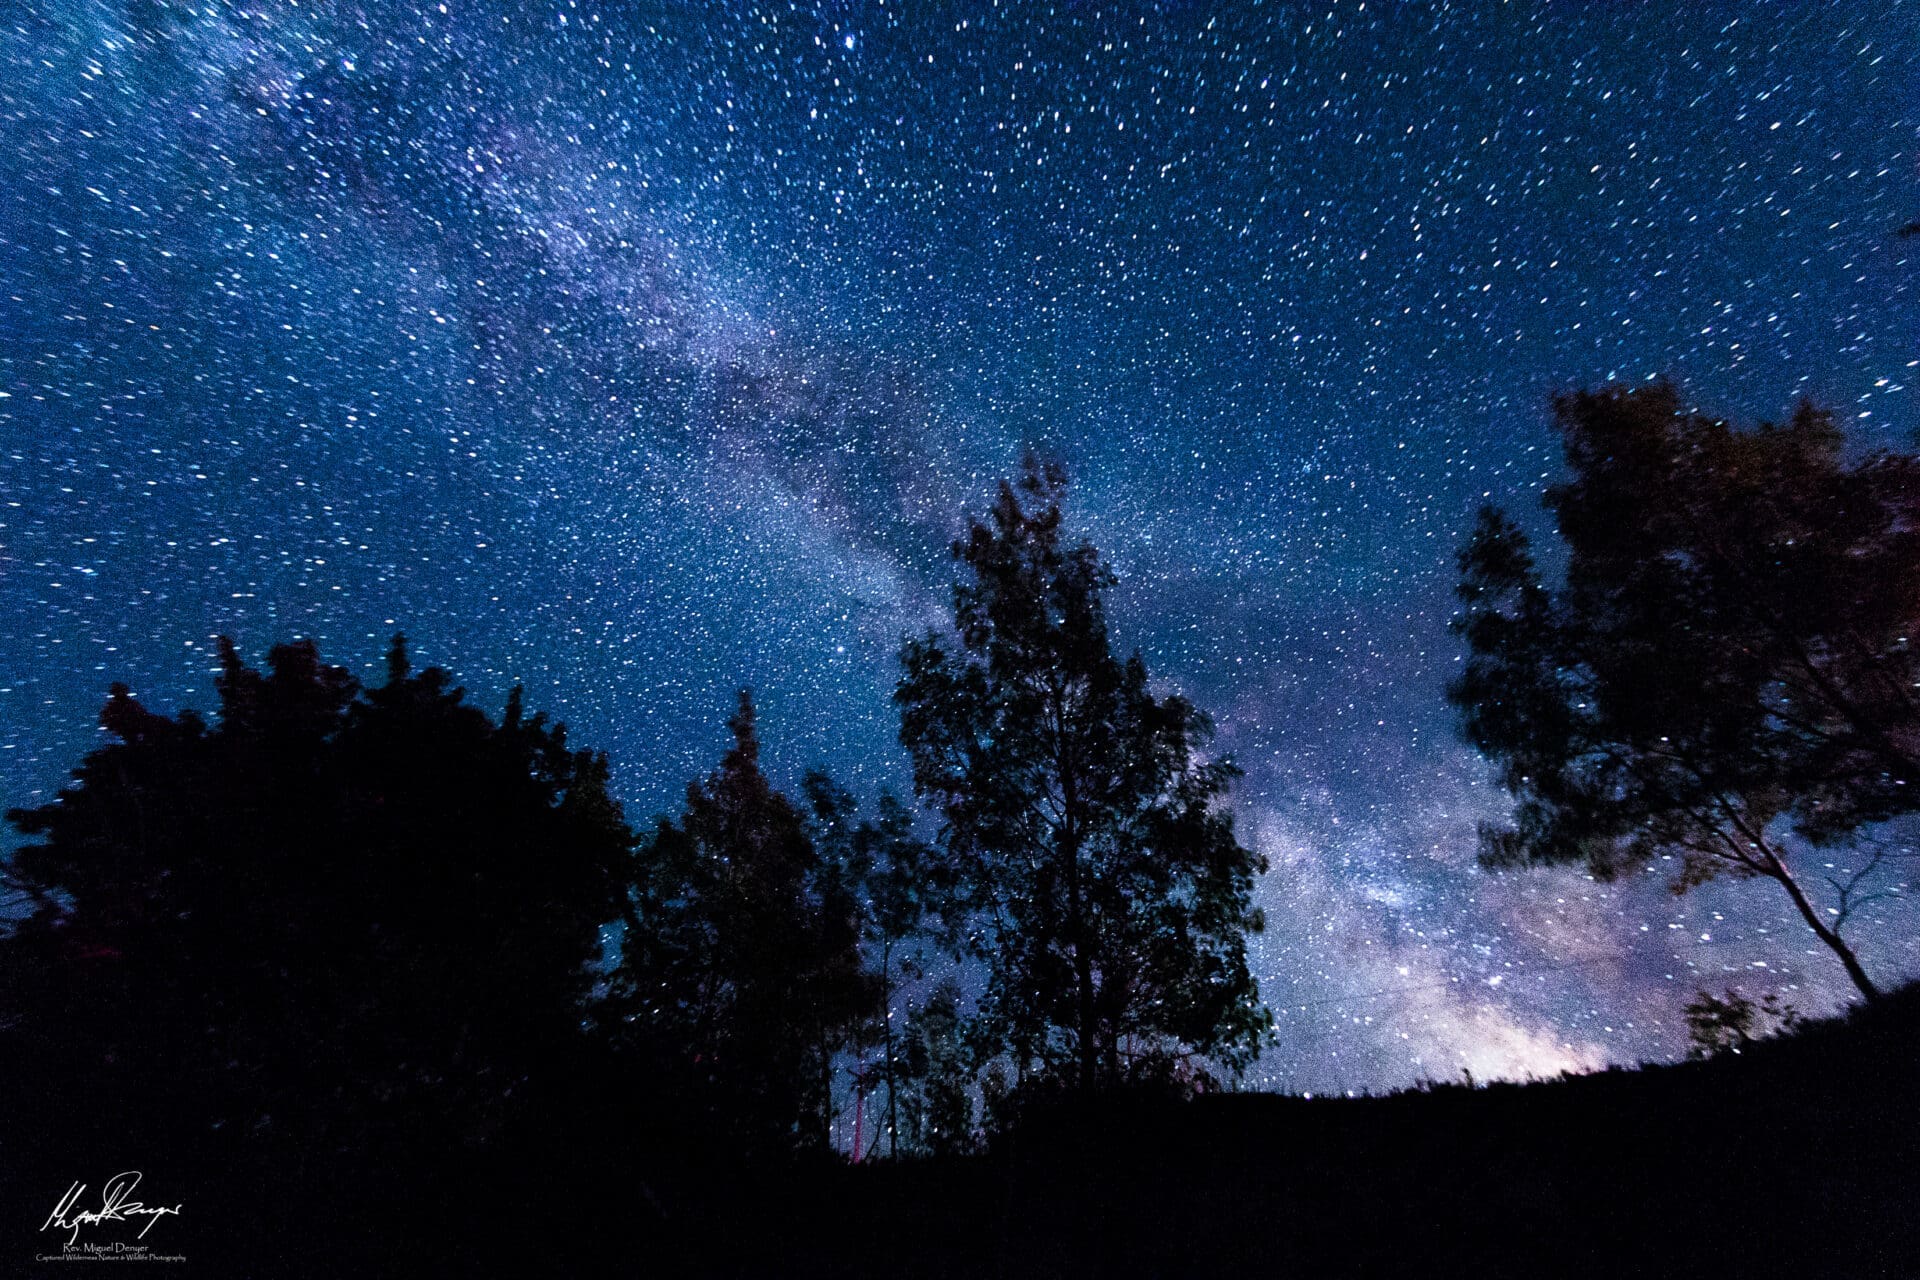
x=363 y=923
x=937 y=1076
x=742 y=977
x=905 y=896
x=1729 y=1023
x=1111 y=899
x=333 y=913
x=1730 y=660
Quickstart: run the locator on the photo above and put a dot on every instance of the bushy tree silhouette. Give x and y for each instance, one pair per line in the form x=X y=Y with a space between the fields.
x=1111 y=899
x=1729 y=1023
x=331 y=914
x=1730 y=661
x=742 y=978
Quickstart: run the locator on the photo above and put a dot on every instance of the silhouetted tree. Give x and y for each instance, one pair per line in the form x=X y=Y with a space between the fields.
x=1112 y=901
x=905 y=896
x=937 y=1075
x=743 y=960
x=1731 y=657
x=332 y=912
x=1729 y=1023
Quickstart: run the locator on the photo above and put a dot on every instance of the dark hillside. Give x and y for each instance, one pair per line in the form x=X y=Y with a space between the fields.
x=1794 y=1158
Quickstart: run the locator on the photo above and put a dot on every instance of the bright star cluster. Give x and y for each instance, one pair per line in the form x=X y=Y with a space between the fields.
x=640 y=351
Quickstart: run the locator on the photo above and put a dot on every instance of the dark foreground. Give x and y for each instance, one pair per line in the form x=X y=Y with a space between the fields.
x=1799 y=1157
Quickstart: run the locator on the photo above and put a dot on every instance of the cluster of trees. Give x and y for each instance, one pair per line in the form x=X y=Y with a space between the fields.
x=1726 y=678
x=341 y=909
x=338 y=909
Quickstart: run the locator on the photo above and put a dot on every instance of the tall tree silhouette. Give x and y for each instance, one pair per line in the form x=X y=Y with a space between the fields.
x=744 y=955
x=905 y=896
x=333 y=912
x=1730 y=661
x=1113 y=901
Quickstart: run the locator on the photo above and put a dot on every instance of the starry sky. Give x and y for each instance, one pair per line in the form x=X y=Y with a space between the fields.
x=641 y=351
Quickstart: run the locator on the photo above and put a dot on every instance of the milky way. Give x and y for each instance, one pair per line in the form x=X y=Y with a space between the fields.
x=640 y=352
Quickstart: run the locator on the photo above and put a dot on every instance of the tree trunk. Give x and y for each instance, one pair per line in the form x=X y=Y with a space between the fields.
x=886 y=1024
x=1088 y=1044
x=1776 y=868
x=826 y=1102
x=1821 y=929
x=1079 y=927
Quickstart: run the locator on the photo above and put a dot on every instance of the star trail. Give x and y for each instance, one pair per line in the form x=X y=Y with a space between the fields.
x=640 y=352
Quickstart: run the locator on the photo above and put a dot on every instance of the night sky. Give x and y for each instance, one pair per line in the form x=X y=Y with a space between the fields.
x=641 y=352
